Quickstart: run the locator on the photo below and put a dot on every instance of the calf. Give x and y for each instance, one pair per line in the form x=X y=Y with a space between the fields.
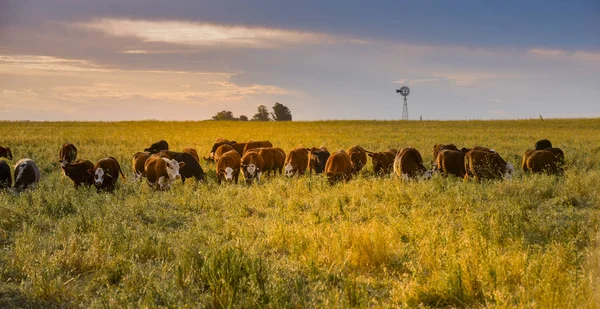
x=157 y=147
x=296 y=162
x=27 y=175
x=383 y=162
x=338 y=167
x=252 y=166
x=67 y=154
x=228 y=167
x=409 y=164
x=106 y=174
x=541 y=161
x=439 y=147
x=221 y=150
x=317 y=159
x=78 y=172
x=193 y=152
x=486 y=165
x=161 y=172
x=451 y=162
x=138 y=162
x=5 y=178
x=6 y=153
x=358 y=157
x=191 y=168
x=257 y=144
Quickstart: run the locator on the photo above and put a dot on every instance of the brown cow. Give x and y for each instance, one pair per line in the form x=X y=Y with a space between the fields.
x=78 y=172
x=439 y=147
x=257 y=144
x=383 y=162
x=193 y=152
x=222 y=140
x=239 y=148
x=211 y=154
x=138 y=163
x=409 y=164
x=542 y=161
x=228 y=167
x=6 y=153
x=358 y=157
x=338 y=167
x=161 y=172
x=67 y=154
x=317 y=159
x=296 y=162
x=451 y=162
x=252 y=166
x=106 y=174
x=221 y=150
x=274 y=159
x=486 y=165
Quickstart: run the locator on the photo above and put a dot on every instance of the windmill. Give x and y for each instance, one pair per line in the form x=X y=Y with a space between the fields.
x=404 y=91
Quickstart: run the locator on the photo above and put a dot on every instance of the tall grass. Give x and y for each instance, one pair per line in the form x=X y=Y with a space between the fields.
x=296 y=243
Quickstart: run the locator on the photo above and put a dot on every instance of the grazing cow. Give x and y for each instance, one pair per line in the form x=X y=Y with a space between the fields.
x=106 y=174
x=252 y=166
x=543 y=144
x=78 y=172
x=278 y=160
x=211 y=154
x=274 y=159
x=191 y=168
x=317 y=159
x=409 y=164
x=67 y=154
x=193 y=152
x=257 y=144
x=296 y=162
x=541 y=161
x=439 y=147
x=221 y=150
x=27 y=175
x=5 y=178
x=6 y=153
x=486 y=165
x=161 y=172
x=228 y=167
x=157 y=147
x=222 y=140
x=383 y=162
x=338 y=167
x=451 y=162
x=358 y=157
x=138 y=162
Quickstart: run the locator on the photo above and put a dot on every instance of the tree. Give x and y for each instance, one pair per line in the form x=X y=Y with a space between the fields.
x=243 y=118
x=224 y=115
x=281 y=112
x=262 y=114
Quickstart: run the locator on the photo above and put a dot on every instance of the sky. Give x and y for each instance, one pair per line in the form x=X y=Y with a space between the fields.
x=117 y=60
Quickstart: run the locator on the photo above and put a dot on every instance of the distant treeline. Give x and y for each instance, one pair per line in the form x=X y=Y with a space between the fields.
x=280 y=113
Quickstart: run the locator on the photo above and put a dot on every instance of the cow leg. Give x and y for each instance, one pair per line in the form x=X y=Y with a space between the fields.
x=183 y=179
x=236 y=178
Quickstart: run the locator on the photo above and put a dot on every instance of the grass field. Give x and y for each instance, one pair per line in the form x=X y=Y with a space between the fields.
x=530 y=242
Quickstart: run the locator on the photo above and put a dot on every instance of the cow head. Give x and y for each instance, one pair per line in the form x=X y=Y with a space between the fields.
x=99 y=175
x=228 y=173
x=427 y=175
x=289 y=170
x=173 y=168
x=5 y=152
x=509 y=170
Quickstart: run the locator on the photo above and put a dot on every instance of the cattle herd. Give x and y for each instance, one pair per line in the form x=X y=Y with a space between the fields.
x=161 y=166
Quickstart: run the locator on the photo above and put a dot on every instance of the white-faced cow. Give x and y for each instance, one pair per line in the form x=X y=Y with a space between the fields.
x=27 y=175
x=408 y=164
x=296 y=162
x=228 y=167
x=252 y=166
x=191 y=168
x=106 y=174
x=481 y=164
x=162 y=172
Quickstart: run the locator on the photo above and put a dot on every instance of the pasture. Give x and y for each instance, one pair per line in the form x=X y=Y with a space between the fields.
x=529 y=242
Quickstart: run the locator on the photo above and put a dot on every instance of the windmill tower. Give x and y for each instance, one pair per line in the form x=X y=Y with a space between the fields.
x=404 y=91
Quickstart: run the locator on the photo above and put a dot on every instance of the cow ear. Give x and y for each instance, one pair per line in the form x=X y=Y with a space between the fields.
x=181 y=164
x=370 y=155
x=91 y=171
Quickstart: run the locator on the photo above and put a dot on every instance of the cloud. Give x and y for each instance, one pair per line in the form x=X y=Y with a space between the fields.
x=412 y=82
x=209 y=34
x=579 y=55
